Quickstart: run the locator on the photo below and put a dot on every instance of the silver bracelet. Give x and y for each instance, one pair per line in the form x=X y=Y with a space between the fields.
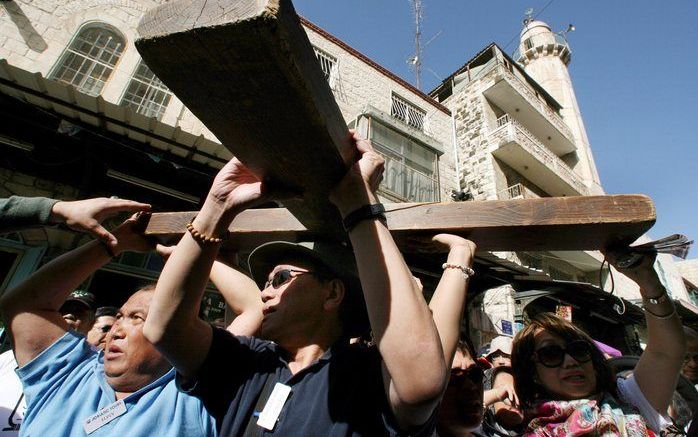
x=657 y=316
x=656 y=300
x=467 y=271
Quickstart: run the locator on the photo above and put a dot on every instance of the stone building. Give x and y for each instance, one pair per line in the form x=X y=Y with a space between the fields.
x=88 y=118
x=85 y=117
x=520 y=134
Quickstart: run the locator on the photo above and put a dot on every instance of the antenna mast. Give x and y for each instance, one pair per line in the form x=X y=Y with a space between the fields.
x=416 y=60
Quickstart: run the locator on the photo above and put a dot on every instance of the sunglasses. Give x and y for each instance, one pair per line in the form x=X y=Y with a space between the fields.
x=554 y=355
x=283 y=276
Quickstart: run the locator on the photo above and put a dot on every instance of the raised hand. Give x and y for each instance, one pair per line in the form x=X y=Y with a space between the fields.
x=86 y=215
x=130 y=236
x=641 y=271
x=460 y=250
x=236 y=188
x=358 y=186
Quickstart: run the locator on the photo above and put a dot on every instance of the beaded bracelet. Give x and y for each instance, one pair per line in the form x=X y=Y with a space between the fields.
x=467 y=271
x=206 y=239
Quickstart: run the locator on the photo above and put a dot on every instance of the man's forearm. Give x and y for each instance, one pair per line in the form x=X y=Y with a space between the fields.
x=48 y=287
x=18 y=211
x=400 y=319
x=172 y=323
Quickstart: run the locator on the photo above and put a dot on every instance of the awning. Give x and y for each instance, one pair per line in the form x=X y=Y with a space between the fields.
x=581 y=296
x=82 y=109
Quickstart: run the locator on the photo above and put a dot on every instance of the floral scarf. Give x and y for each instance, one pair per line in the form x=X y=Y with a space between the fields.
x=586 y=417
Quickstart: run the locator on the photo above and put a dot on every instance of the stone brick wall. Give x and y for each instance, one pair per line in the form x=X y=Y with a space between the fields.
x=473 y=116
x=34 y=34
x=14 y=183
x=359 y=84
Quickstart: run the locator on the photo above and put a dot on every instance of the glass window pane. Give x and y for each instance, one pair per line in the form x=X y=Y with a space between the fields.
x=90 y=59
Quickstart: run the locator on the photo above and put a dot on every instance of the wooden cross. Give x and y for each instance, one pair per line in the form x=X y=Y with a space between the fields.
x=246 y=69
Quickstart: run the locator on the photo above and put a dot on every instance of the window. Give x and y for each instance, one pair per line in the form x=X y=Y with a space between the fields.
x=328 y=64
x=528 y=43
x=90 y=59
x=146 y=93
x=407 y=112
x=410 y=168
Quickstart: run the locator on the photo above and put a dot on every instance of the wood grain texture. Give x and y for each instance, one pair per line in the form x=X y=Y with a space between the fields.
x=553 y=223
x=246 y=69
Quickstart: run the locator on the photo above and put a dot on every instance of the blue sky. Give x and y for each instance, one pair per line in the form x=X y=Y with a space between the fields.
x=634 y=68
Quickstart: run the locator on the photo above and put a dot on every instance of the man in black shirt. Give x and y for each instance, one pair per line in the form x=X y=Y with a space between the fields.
x=309 y=381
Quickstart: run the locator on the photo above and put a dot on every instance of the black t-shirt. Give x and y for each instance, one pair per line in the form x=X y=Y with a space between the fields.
x=341 y=394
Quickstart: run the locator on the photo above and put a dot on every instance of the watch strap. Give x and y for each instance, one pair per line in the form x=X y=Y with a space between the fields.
x=366 y=212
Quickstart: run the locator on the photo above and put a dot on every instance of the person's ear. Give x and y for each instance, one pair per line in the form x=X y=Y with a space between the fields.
x=334 y=295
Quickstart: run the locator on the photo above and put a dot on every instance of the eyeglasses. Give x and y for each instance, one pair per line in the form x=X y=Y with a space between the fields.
x=554 y=355
x=283 y=276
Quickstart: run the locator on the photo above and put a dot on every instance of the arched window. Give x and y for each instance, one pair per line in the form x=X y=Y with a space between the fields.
x=146 y=93
x=90 y=59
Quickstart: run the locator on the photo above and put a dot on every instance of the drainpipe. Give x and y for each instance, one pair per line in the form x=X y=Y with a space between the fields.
x=455 y=150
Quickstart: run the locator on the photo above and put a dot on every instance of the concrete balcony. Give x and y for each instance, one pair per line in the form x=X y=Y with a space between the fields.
x=519 y=149
x=516 y=191
x=515 y=97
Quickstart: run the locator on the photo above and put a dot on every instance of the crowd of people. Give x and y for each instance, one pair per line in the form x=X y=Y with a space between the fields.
x=329 y=339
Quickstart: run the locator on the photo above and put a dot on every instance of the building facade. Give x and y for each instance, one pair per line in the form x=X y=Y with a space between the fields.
x=89 y=118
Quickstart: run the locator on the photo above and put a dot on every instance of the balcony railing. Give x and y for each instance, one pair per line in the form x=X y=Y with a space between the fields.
x=534 y=100
x=517 y=191
x=509 y=129
x=406 y=184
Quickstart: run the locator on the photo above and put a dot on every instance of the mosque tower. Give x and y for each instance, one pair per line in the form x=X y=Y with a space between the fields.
x=545 y=56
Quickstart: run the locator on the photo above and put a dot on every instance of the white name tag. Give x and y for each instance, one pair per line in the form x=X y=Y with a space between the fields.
x=272 y=409
x=104 y=416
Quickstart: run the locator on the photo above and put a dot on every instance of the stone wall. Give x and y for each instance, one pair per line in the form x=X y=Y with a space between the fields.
x=34 y=35
x=473 y=116
x=358 y=84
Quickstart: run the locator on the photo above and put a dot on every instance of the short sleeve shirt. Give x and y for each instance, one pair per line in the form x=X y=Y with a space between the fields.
x=341 y=394
x=65 y=385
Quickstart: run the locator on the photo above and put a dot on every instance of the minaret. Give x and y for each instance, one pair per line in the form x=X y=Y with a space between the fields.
x=545 y=56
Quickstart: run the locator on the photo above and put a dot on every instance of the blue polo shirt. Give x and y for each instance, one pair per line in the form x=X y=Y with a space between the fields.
x=66 y=384
x=341 y=394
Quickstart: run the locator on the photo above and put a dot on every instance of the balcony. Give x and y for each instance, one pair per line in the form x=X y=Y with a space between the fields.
x=519 y=149
x=514 y=96
x=516 y=191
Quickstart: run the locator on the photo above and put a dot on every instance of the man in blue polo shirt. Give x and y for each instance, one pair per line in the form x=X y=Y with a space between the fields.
x=71 y=388
x=307 y=380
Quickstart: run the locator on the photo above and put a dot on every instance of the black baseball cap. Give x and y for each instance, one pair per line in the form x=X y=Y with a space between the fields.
x=336 y=258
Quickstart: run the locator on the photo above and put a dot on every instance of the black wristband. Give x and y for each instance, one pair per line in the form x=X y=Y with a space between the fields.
x=366 y=212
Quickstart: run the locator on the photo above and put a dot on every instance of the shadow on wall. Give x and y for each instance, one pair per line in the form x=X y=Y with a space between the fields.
x=31 y=37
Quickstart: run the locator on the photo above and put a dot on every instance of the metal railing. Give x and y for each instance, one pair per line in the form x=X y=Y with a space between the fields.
x=406 y=183
x=516 y=191
x=510 y=129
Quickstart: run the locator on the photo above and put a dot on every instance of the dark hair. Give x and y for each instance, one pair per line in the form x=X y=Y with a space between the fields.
x=525 y=377
x=106 y=311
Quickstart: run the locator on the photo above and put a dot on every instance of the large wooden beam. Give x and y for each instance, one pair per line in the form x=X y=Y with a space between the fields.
x=553 y=223
x=246 y=69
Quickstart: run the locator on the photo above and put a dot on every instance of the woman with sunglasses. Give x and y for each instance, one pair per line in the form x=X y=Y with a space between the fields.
x=566 y=386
